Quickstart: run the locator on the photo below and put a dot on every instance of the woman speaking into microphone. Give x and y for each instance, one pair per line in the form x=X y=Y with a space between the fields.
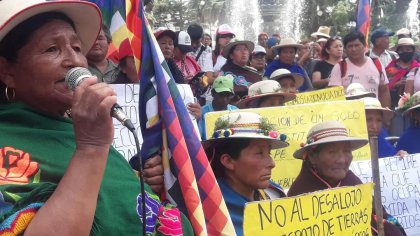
x=60 y=176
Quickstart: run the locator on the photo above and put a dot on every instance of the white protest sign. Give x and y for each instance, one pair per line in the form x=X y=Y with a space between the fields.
x=128 y=99
x=400 y=187
x=188 y=97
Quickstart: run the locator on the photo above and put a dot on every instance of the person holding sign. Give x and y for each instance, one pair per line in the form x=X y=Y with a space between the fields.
x=266 y=93
x=326 y=156
x=240 y=157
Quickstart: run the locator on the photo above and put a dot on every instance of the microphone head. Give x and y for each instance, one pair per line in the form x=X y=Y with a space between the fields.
x=76 y=75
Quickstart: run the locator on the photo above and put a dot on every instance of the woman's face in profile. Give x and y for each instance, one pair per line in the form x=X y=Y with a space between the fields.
x=41 y=65
x=332 y=161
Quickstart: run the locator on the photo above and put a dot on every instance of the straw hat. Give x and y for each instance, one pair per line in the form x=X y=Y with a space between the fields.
x=357 y=91
x=262 y=89
x=328 y=132
x=323 y=31
x=405 y=42
x=86 y=16
x=287 y=43
x=279 y=74
x=403 y=31
x=375 y=104
x=227 y=49
x=246 y=125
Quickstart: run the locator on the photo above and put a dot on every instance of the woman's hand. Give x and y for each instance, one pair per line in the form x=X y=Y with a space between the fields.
x=195 y=110
x=153 y=173
x=91 y=108
x=401 y=153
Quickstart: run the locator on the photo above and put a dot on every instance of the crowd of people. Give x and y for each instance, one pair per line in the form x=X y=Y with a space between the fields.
x=75 y=183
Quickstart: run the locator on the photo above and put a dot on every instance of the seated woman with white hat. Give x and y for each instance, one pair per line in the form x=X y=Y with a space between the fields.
x=266 y=93
x=327 y=155
x=240 y=157
x=288 y=81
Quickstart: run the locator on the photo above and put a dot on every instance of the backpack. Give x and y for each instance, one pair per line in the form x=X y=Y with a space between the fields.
x=376 y=61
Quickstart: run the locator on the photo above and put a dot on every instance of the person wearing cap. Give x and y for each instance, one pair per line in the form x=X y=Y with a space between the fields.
x=224 y=35
x=380 y=41
x=409 y=140
x=326 y=156
x=288 y=81
x=222 y=92
x=165 y=38
x=406 y=51
x=266 y=93
x=375 y=115
x=237 y=54
x=62 y=176
x=405 y=33
x=286 y=50
x=128 y=74
x=257 y=59
x=239 y=150
x=332 y=53
x=403 y=74
x=99 y=65
x=187 y=64
x=361 y=69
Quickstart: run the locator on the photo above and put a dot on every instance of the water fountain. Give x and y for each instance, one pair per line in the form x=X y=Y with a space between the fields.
x=244 y=17
x=413 y=19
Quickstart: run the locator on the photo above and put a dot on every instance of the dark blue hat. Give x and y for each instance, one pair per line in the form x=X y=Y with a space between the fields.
x=379 y=33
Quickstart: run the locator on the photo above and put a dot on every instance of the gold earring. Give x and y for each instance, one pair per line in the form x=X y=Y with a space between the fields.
x=7 y=94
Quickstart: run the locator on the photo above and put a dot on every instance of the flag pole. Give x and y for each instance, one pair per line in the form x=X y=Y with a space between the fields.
x=373 y=140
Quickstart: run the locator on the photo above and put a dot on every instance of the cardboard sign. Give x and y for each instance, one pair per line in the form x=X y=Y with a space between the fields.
x=400 y=187
x=339 y=211
x=128 y=99
x=295 y=122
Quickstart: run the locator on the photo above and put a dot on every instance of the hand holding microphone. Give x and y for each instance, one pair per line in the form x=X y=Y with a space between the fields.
x=76 y=75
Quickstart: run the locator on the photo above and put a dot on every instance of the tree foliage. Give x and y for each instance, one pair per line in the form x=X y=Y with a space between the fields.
x=339 y=14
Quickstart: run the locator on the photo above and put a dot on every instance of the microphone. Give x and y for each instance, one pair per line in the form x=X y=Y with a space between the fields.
x=76 y=75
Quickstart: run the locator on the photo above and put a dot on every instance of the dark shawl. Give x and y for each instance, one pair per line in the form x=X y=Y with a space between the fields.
x=308 y=182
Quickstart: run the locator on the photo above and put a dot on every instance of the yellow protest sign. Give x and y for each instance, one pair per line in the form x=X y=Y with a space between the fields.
x=295 y=121
x=321 y=95
x=339 y=211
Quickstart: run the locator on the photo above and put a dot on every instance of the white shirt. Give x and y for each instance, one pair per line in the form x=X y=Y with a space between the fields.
x=205 y=60
x=385 y=57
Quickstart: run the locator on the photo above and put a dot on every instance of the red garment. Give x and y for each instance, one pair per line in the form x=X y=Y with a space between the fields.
x=396 y=73
x=308 y=181
x=189 y=67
